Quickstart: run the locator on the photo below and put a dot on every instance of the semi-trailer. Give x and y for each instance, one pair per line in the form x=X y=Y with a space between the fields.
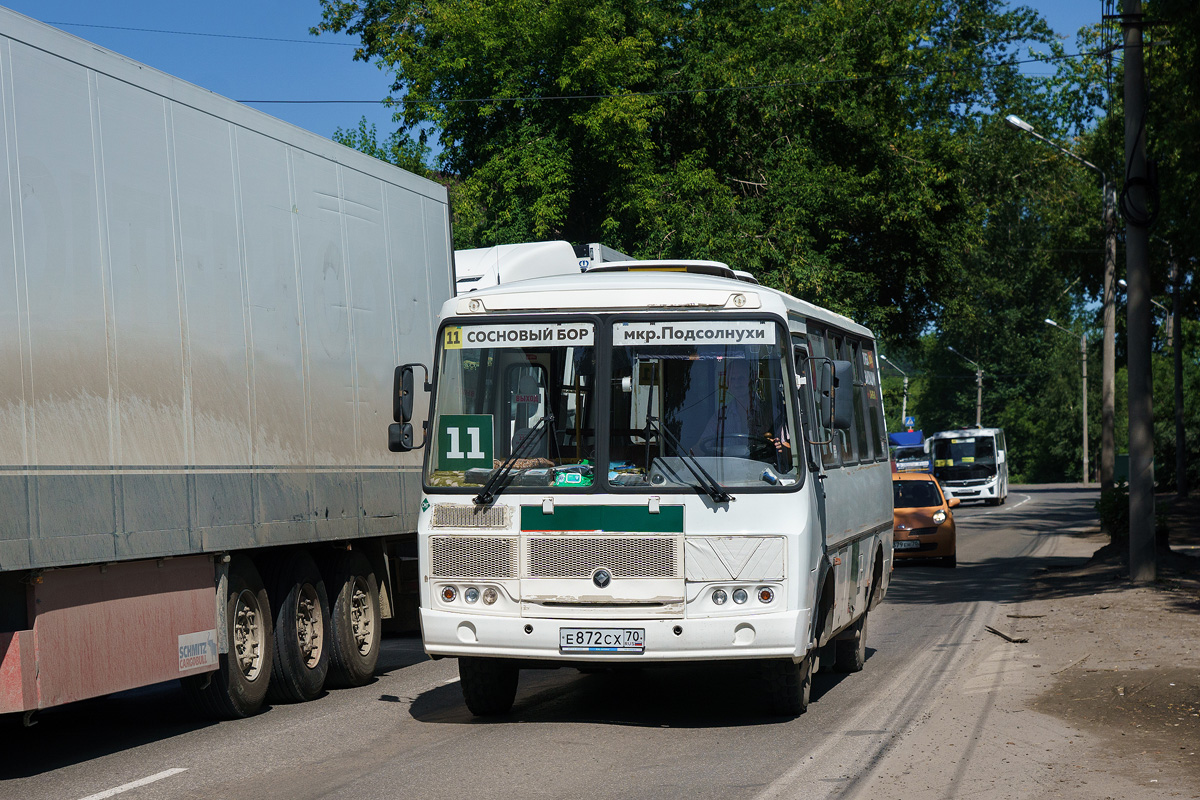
x=201 y=309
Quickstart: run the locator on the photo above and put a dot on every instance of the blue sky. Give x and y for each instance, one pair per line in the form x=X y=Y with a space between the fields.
x=319 y=68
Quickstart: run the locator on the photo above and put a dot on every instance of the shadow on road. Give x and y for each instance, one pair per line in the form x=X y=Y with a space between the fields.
x=723 y=695
x=90 y=729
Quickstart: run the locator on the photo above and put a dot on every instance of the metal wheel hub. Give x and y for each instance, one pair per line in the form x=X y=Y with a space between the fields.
x=247 y=635
x=362 y=621
x=309 y=622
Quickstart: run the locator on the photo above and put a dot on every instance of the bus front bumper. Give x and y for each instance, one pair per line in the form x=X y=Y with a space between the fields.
x=537 y=639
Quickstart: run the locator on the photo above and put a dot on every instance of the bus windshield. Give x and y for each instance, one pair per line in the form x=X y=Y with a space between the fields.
x=715 y=401
x=964 y=457
x=515 y=391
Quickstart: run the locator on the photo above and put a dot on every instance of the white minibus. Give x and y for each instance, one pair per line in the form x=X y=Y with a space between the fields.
x=971 y=463
x=650 y=462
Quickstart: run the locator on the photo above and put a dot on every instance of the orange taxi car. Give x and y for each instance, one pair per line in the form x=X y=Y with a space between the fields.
x=923 y=525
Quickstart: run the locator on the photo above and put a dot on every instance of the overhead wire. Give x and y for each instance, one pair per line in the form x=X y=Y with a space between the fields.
x=908 y=74
x=198 y=33
x=390 y=101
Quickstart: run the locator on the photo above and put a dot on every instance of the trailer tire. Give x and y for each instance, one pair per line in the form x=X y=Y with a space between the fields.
x=354 y=620
x=239 y=685
x=489 y=685
x=787 y=685
x=301 y=638
x=851 y=652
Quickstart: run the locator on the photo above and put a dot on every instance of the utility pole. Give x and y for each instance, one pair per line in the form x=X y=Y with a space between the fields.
x=978 y=385
x=978 y=395
x=1142 y=555
x=1108 y=347
x=1181 y=479
x=904 y=402
x=1083 y=382
x=1083 y=361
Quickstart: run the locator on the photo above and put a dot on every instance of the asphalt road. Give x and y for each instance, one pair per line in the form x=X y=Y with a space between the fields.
x=679 y=731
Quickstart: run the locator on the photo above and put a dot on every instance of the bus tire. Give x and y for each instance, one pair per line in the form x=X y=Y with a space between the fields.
x=354 y=620
x=239 y=686
x=852 y=651
x=301 y=629
x=787 y=685
x=489 y=685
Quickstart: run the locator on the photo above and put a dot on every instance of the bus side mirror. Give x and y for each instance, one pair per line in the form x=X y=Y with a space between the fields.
x=843 y=395
x=400 y=437
x=824 y=387
x=402 y=393
x=400 y=432
x=1000 y=457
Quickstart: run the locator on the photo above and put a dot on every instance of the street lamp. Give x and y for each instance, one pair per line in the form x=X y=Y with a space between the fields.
x=904 y=403
x=978 y=385
x=1083 y=368
x=1108 y=348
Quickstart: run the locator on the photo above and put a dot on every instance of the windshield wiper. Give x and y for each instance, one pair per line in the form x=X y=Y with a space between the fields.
x=490 y=489
x=705 y=481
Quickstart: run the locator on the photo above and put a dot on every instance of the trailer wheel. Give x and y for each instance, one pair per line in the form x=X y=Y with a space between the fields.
x=354 y=634
x=301 y=628
x=787 y=685
x=489 y=685
x=851 y=652
x=239 y=686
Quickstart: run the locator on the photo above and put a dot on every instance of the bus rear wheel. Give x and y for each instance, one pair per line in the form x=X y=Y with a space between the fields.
x=851 y=652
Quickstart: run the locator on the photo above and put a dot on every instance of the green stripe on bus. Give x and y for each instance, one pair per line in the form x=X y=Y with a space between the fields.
x=619 y=519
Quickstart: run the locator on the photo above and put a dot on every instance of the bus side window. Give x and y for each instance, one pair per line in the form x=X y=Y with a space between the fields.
x=804 y=396
x=839 y=349
x=858 y=432
x=874 y=401
x=820 y=348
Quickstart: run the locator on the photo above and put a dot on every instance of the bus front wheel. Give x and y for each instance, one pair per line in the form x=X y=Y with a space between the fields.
x=489 y=685
x=788 y=685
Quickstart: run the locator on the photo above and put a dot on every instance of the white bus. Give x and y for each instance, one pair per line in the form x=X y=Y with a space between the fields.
x=650 y=462
x=971 y=463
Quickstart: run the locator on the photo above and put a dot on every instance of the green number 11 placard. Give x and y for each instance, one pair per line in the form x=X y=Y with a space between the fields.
x=464 y=441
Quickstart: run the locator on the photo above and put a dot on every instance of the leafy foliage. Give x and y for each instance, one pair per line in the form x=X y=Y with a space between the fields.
x=850 y=152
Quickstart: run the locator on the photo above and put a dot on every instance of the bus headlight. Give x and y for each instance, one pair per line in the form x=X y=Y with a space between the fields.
x=740 y=596
x=719 y=597
x=471 y=594
x=489 y=596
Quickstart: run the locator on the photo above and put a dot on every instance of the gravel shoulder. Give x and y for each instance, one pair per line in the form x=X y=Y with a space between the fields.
x=1099 y=697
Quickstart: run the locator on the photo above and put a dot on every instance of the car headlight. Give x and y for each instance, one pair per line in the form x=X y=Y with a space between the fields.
x=939 y=516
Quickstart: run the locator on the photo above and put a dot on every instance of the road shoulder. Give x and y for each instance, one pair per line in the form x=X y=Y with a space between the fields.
x=1098 y=697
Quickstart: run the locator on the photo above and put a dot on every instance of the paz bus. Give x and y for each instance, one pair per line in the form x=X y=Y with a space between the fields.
x=650 y=462
x=971 y=463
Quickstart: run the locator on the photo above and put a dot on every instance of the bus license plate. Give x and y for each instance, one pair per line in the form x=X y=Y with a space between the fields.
x=906 y=544
x=602 y=640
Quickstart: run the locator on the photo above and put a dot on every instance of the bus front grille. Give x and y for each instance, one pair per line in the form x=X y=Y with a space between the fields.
x=623 y=556
x=473 y=556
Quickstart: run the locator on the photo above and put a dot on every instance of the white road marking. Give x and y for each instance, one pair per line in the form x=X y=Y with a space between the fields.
x=135 y=784
x=1027 y=497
